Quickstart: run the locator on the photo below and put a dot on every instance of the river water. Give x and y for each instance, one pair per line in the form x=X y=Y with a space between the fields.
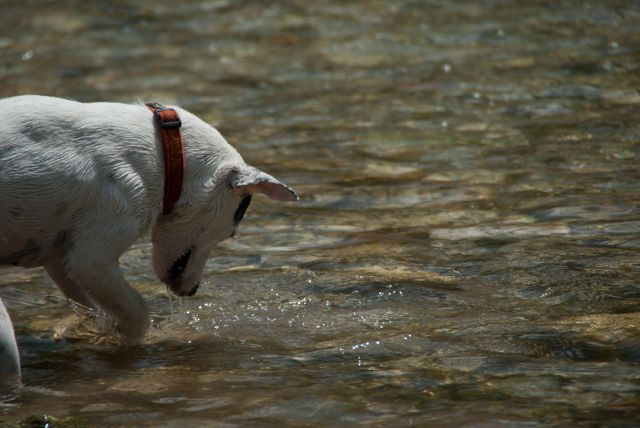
x=465 y=252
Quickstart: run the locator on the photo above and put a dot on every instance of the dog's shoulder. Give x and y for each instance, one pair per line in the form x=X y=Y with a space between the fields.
x=41 y=120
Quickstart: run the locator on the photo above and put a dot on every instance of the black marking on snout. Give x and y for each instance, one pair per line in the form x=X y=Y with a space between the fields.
x=179 y=265
x=242 y=209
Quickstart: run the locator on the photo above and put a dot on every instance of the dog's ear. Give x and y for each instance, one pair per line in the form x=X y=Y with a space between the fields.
x=248 y=180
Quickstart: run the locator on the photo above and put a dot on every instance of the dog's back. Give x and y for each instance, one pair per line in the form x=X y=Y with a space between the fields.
x=60 y=158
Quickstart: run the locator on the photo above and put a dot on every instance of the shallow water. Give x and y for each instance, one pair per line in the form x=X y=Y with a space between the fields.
x=465 y=252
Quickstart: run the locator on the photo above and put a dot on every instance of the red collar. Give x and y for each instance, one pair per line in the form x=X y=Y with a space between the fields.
x=173 y=150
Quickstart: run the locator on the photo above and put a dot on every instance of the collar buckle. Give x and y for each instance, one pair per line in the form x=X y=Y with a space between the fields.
x=167 y=118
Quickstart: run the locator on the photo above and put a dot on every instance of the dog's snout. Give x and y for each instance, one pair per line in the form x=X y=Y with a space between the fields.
x=179 y=283
x=193 y=290
x=182 y=292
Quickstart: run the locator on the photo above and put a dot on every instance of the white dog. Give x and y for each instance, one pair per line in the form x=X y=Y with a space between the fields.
x=79 y=183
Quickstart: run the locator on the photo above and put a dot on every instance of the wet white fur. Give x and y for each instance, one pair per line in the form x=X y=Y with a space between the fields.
x=80 y=182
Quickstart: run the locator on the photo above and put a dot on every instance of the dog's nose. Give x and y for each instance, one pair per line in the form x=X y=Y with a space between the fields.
x=193 y=290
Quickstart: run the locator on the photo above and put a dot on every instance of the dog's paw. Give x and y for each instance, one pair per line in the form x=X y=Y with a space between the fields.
x=88 y=325
x=75 y=327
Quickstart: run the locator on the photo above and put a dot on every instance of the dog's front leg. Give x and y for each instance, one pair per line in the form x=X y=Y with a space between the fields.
x=70 y=288
x=9 y=360
x=105 y=286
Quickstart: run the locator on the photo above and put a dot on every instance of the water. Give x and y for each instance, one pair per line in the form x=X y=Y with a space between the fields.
x=465 y=252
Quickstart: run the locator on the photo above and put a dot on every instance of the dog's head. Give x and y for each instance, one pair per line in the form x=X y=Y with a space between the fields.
x=182 y=240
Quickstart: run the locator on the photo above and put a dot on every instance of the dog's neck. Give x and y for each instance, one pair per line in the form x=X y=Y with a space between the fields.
x=168 y=120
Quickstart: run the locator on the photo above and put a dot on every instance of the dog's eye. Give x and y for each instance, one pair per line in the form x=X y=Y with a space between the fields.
x=242 y=209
